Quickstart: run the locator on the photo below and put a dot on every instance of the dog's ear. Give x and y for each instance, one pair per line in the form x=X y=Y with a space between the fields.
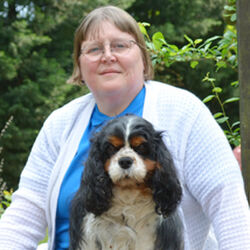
x=96 y=185
x=167 y=191
x=94 y=194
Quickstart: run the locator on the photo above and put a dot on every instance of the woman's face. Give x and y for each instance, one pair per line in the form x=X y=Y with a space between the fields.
x=112 y=75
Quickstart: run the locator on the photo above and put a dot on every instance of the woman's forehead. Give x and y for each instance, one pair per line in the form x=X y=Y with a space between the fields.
x=98 y=29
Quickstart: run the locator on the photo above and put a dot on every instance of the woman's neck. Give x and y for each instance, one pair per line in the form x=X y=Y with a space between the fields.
x=114 y=105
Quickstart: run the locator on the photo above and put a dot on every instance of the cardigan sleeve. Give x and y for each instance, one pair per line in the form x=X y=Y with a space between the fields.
x=214 y=178
x=24 y=224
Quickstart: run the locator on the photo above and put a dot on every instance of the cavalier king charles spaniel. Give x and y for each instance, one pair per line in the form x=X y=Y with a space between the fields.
x=129 y=192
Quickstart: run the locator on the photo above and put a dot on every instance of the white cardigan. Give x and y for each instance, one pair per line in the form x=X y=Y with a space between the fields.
x=211 y=178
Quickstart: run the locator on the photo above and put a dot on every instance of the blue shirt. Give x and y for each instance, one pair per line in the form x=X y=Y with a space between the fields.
x=71 y=181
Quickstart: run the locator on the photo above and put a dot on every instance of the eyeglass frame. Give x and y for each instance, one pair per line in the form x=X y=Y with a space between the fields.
x=110 y=48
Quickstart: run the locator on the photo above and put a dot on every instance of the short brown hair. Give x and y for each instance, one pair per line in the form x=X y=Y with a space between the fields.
x=123 y=21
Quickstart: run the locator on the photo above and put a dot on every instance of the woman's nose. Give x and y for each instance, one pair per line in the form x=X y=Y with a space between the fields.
x=107 y=54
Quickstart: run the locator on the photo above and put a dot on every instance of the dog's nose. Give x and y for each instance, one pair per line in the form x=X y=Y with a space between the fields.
x=125 y=162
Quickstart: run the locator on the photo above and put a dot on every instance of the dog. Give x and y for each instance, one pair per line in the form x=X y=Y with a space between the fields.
x=129 y=192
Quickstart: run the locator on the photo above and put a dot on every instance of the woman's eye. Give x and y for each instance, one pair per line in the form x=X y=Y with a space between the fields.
x=92 y=50
x=119 y=45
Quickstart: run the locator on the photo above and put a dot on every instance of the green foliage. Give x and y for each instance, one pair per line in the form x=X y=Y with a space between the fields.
x=232 y=131
x=185 y=66
x=222 y=50
x=174 y=18
x=5 y=196
x=5 y=200
x=230 y=14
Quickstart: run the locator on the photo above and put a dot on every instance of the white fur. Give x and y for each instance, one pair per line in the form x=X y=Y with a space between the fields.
x=128 y=127
x=129 y=224
x=137 y=171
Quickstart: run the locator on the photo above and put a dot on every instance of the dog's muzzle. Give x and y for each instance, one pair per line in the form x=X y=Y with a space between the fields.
x=125 y=162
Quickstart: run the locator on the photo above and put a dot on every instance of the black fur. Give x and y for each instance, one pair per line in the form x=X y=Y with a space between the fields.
x=169 y=234
x=93 y=196
x=95 y=191
x=166 y=187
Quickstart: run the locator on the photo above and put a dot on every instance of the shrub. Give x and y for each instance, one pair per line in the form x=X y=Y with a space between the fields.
x=5 y=196
x=222 y=50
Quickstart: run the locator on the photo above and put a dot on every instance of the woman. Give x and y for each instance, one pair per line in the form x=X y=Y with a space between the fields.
x=111 y=59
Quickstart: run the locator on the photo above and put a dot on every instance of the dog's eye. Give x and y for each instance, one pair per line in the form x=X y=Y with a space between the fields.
x=111 y=149
x=142 y=149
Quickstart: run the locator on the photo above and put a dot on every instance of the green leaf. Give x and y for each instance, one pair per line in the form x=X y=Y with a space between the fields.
x=197 y=41
x=207 y=47
x=145 y=24
x=233 y=17
x=207 y=78
x=229 y=8
x=221 y=64
x=143 y=29
x=173 y=47
x=235 y=83
x=149 y=45
x=209 y=40
x=208 y=98
x=222 y=120
x=233 y=99
x=236 y=131
x=158 y=36
x=189 y=39
x=193 y=64
x=185 y=48
x=217 y=115
x=236 y=124
x=232 y=59
x=217 y=90
x=158 y=40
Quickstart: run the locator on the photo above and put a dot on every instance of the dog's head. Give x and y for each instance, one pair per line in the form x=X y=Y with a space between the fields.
x=128 y=148
x=129 y=153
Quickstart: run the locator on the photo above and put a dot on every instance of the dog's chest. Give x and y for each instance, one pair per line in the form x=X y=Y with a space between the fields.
x=128 y=225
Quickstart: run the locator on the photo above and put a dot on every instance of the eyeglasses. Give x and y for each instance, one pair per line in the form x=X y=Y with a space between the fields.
x=95 y=50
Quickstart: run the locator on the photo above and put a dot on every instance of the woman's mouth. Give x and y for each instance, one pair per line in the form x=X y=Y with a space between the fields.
x=109 y=72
